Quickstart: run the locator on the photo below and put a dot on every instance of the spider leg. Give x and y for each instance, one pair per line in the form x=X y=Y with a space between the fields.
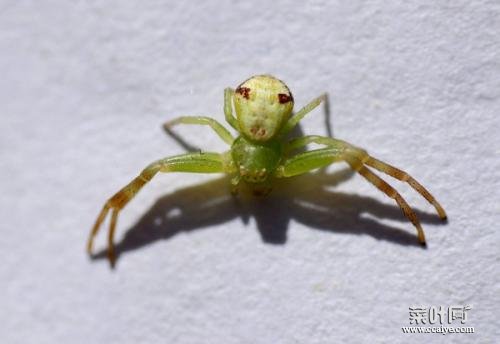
x=405 y=177
x=365 y=158
x=191 y=162
x=228 y=108
x=383 y=186
x=305 y=162
x=294 y=120
x=223 y=133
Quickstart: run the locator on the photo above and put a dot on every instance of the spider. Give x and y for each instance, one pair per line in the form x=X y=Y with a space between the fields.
x=261 y=152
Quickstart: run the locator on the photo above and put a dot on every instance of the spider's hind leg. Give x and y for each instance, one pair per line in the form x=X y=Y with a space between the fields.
x=295 y=119
x=219 y=129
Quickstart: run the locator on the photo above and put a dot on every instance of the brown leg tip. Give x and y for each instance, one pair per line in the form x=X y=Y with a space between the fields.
x=111 y=258
x=423 y=244
x=112 y=263
x=89 y=248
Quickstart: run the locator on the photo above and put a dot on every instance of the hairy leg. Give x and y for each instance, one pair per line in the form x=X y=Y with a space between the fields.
x=223 y=133
x=294 y=120
x=365 y=158
x=228 y=108
x=304 y=162
x=192 y=162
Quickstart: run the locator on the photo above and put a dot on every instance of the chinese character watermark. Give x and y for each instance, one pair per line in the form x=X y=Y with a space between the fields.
x=458 y=312
x=430 y=316
x=418 y=315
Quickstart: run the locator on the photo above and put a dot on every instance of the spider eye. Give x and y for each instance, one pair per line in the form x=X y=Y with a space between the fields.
x=285 y=98
x=244 y=91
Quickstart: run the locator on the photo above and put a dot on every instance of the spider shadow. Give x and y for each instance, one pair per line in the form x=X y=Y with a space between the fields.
x=306 y=199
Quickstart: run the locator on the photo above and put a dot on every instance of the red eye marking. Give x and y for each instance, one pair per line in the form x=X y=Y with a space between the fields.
x=285 y=98
x=244 y=91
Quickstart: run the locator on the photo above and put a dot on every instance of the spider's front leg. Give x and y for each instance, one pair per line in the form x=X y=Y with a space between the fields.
x=365 y=158
x=342 y=151
x=192 y=162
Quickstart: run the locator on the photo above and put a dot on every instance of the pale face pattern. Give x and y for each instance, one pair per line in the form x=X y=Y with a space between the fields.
x=262 y=104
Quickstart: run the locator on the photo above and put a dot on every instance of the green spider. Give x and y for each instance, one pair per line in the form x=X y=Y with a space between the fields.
x=261 y=152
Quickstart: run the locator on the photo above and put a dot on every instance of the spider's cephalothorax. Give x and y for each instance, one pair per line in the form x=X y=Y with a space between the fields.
x=256 y=163
x=261 y=152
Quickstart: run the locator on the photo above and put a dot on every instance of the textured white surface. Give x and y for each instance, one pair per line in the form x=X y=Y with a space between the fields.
x=84 y=89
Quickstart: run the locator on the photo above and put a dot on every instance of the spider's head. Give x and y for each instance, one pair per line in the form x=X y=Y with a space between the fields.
x=263 y=104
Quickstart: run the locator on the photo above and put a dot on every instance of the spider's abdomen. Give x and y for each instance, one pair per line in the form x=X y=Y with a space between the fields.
x=263 y=104
x=255 y=162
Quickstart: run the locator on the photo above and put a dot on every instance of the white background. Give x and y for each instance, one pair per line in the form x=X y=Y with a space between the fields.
x=84 y=89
